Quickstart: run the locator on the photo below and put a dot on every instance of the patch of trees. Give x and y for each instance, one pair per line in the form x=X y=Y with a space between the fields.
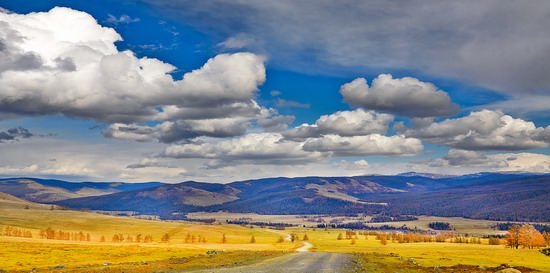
x=506 y=226
x=466 y=240
x=206 y=221
x=393 y=218
x=52 y=234
x=362 y=226
x=494 y=241
x=192 y=239
x=16 y=232
x=260 y=224
x=525 y=236
x=440 y=226
x=140 y=238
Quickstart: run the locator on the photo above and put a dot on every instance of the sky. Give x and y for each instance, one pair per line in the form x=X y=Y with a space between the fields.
x=220 y=90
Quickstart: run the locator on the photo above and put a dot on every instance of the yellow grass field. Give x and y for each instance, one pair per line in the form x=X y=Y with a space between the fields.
x=429 y=254
x=27 y=253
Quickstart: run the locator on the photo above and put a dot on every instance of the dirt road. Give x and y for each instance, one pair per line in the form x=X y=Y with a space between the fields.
x=309 y=262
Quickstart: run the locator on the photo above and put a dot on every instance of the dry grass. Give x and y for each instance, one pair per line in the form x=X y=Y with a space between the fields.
x=25 y=253
x=430 y=254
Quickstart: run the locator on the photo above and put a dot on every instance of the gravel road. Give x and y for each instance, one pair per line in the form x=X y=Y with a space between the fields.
x=308 y=262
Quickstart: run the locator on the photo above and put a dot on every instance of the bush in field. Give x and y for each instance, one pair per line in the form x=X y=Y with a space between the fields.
x=545 y=251
x=494 y=241
x=440 y=225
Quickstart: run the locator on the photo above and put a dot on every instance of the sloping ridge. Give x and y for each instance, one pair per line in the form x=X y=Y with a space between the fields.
x=10 y=198
x=50 y=190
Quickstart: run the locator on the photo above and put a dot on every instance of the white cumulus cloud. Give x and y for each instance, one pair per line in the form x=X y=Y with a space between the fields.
x=404 y=97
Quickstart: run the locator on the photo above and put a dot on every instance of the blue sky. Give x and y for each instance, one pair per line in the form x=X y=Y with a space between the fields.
x=288 y=89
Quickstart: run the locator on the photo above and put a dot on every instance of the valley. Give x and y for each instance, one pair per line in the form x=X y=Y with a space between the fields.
x=171 y=248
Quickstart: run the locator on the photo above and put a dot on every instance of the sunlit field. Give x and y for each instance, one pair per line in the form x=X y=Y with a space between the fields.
x=26 y=253
x=429 y=254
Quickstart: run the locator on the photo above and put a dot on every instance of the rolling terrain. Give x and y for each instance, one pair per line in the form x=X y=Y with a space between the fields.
x=493 y=196
x=50 y=190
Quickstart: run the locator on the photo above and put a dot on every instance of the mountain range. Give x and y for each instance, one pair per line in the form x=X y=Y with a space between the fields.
x=494 y=196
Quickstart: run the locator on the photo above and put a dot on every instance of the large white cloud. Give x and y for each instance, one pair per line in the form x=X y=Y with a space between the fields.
x=484 y=130
x=344 y=123
x=255 y=148
x=405 y=96
x=63 y=62
x=373 y=144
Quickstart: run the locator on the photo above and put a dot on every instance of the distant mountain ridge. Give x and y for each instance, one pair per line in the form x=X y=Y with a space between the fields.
x=51 y=190
x=496 y=196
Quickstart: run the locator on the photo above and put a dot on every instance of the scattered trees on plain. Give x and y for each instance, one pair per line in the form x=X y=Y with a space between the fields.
x=119 y=238
x=17 y=232
x=52 y=234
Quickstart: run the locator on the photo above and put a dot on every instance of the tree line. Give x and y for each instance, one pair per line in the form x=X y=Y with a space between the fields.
x=139 y=238
x=52 y=234
x=16 y=232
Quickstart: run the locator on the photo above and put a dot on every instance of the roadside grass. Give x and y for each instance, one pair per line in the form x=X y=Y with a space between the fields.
x=26 y=253
x=375 y=262
x=429 y=254
x=45 y=257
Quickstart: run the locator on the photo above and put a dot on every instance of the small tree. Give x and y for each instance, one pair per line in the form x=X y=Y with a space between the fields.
x=352 y=241
x=252 y=240
x=27 y=207
x=529 y=237
x=512 y=238
x=224 y=240
x=306 y=238
x=165 y=238
x=102 y=239
x=546 y=236
x=281 y=239
x=383 y=240
x=494 y=241
x=340 y=236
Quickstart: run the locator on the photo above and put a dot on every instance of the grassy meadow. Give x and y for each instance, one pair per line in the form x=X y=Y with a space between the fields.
x=26 y=253
x=19 y=254
x=429 y=254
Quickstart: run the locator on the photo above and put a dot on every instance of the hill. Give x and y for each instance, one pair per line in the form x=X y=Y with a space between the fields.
x=49 y=190
x=496 y=196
